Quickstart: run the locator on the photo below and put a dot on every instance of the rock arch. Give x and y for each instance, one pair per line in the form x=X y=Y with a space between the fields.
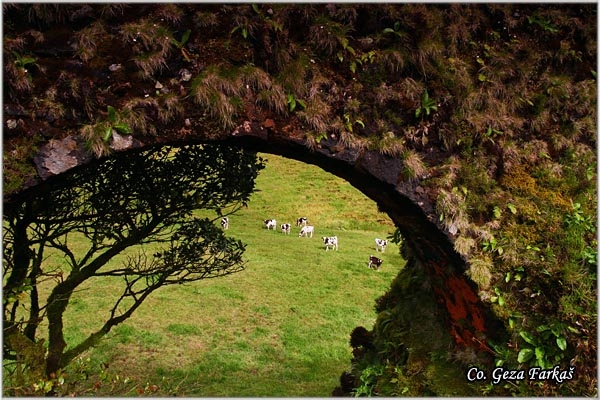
x=469 y=321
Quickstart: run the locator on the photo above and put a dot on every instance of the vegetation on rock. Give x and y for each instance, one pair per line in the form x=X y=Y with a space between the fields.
x=491 y=107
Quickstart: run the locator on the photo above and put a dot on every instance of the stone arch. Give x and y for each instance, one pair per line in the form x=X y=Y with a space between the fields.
x=469 y=321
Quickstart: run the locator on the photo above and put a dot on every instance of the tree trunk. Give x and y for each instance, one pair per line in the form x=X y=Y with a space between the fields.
x=21 y=261
x=57 y=304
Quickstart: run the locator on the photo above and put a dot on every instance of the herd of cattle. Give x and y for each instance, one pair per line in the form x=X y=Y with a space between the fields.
x=308 y=230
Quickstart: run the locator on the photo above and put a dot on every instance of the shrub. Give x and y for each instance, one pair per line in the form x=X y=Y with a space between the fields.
x=216 y=93
x=480 y=271
x=451 y=206
x=414 y=166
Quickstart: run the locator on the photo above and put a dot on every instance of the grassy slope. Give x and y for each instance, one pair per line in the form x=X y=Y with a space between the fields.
x=279 y=328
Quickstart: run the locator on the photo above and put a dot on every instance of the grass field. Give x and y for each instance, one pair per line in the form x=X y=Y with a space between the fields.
x=279 y=328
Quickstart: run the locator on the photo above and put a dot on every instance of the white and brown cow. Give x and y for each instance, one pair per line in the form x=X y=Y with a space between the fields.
x=375 y=263
x=286 y=228
x=330 y=241
x=308 y=229
x=270 y=223
x=380 y=244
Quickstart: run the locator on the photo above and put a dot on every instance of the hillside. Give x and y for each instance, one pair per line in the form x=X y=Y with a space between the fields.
x=489 y=109
x=278 y=328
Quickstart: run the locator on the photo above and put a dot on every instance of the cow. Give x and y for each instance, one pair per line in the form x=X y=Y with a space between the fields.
x=330 y=241
x=301 y=221
x=306 y=230
x=270 y=223
x=375 y=262
x=285 y=228
x=380 y=244
x=225 y=223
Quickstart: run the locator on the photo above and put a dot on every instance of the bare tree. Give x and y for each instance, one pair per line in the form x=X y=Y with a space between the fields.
x=122 y=203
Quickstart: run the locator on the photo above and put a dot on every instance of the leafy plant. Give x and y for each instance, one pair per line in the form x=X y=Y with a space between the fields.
x=349 y=123
x=498 y=297
x=579 y=219
x=427 y=105
x=21 y=60
x=368 y=379
x=497 y=212
x=518 y=274
x=362 y=59
x=180 y=44
x=491 y=133
x=545 y=24
x=395 y=30
x=115 y=123
x=581 y=228
x=98 y=134
x=589 y=256
x=292 y=102
x=492 y=246
x=547 y=345
x=242 y=29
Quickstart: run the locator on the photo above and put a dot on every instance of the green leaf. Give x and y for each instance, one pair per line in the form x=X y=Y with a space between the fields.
x=388 y=30
x=108 y=134
x=574 y=330
x=185 y=37
x=590 y=173
x=291 y=102
x=497 y=212
x=301 y=102
x=353 y=67
x=561 y=342
x=501 y=301
x=527 y=337
x=123 y=128
x=358 y=121
x=112 y=114
x=525 y=355
x=512 y=208
x=344 y=42
x=539 y=355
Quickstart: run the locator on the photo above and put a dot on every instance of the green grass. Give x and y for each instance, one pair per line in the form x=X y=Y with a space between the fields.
x=279 y=328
